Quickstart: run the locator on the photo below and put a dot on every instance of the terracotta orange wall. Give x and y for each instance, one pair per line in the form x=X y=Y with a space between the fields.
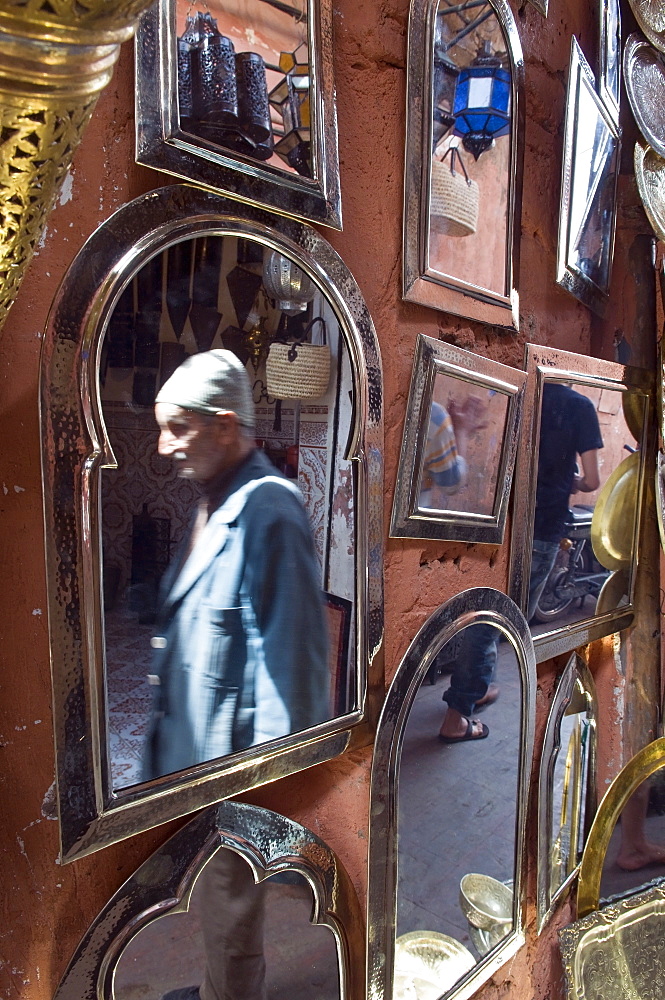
x=48 y=907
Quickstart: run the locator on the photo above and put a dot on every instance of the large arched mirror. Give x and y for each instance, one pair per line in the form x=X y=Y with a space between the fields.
x=204 y=623
x=240 y=902
x=448 y=803
x=464 y=159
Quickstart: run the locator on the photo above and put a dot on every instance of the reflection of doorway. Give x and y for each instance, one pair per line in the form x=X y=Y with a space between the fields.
x=199 y=295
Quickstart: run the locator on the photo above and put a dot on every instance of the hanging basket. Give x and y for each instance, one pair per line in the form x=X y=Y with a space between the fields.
x=299 y=370
x=453 y=202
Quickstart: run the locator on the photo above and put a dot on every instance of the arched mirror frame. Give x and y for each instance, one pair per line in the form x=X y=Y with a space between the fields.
x=74 y=449
x=542 y=364
x=576 y=673
x=477 y=606
x=162 y=885
x=448 y=293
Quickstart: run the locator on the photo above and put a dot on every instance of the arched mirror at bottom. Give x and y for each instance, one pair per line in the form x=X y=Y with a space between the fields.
x=240 y=903
x=448 y=803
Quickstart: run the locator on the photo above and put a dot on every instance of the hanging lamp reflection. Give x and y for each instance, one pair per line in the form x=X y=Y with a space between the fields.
x=482 y=102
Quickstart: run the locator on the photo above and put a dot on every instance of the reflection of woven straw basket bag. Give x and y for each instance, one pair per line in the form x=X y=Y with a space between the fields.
x=298 y=370
x=453 y=200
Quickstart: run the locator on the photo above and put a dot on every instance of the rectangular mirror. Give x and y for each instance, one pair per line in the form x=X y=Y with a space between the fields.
x=464 y=155
x=588 y=189
x=240 y=97
x=575 y=540
x=459 y=445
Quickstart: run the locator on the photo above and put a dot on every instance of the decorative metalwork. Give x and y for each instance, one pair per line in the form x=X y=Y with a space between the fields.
x=644 y=73
x=92 y=813
x=452 y=385
x=562 y=830
x=588 y=189
x=649 y=17
x=617 y=953
x=271 y=844
x=609 y=75
x=56 y=59
x=446 y=275
x=650 y=177
x=578 y=625
x=234 y=154
x=470 y=609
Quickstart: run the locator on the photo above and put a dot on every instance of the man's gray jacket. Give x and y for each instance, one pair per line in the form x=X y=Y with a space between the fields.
x=241 y=652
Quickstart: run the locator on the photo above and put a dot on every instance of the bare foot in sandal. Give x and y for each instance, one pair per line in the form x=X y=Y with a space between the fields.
x=457 y=728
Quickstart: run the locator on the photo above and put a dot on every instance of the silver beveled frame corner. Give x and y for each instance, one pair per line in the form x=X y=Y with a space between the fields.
x=162 y=885
x=479 y=605
x=408 y=519
x=161 y=144
x=544 y=363
x=610 y=96
x=576 y=674
x=568 y=275
x=74 y=448
x=445 y=292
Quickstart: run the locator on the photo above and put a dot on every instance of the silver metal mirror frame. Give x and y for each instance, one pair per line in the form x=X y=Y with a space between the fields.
x=74 y=448
x=569 y=277
x=542 y=363
x=450 y=294
x=575 y=672
x=477 y=606
x=161 y=144
x=163 y=884
x=431 y=358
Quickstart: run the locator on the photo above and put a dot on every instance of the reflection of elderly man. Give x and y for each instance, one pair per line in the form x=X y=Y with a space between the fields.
x=241 y=651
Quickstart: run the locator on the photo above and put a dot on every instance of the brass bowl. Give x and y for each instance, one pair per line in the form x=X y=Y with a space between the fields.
x=486 y=903
x=428 y=964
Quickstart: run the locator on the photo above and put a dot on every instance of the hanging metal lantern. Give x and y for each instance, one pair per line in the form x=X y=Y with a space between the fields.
x=291 y=98
x=482 y=102
x=285 y=281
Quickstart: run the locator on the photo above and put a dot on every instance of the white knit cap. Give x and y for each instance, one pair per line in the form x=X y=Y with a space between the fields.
x=209 y=382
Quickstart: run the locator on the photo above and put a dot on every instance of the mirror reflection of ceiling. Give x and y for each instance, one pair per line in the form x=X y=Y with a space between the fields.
x=585 y=507
x=237 y=938
x=458 y=801
x=200 y=295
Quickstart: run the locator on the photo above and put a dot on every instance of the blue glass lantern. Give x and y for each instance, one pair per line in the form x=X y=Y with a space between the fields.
x=482 y=102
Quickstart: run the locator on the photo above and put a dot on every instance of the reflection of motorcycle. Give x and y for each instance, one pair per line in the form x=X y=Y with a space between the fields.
x=576 y=574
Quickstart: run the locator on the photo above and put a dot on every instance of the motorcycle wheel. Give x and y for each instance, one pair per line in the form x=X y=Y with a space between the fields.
x=553 y=602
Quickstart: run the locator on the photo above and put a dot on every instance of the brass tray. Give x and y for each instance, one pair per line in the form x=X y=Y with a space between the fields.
x=650 y=177
x=650 y=16
x=613 y=523
x=617 y=953
x=644 y=75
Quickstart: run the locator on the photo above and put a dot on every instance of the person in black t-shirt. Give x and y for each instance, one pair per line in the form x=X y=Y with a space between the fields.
x=568 y=428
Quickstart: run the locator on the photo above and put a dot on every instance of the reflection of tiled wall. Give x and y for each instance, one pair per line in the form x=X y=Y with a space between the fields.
x=142 y=476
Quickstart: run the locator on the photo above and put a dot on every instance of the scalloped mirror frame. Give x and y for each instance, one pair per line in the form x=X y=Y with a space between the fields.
x=74 y=449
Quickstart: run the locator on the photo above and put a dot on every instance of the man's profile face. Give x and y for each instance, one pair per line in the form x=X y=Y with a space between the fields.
x=193 y=441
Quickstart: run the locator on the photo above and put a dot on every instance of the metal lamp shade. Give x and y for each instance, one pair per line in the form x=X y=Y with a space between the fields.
x=482 y=104
x=284 y=281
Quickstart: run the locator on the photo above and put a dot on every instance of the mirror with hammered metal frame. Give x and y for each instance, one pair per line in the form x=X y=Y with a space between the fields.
x=590 y=172
x=448 y=803
x=464 y=159
x=459 y=445
x=239 y=902
x=214 y=571
x=567 y=784
x=240 y=97
x=575 y=540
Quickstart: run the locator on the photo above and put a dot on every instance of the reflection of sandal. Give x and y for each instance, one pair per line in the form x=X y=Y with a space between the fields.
x=490 y=696
x=469 y=734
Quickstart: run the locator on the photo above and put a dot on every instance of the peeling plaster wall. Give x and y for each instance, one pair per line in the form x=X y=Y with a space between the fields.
x=47 y=908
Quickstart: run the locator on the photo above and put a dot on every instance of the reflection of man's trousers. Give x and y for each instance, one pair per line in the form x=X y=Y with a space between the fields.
x=475 y=663
x=232 y=918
